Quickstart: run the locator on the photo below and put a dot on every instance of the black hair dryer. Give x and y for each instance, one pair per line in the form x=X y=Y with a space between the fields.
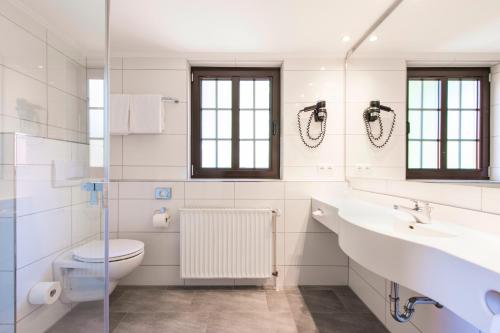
x=319 y=110
x=372 y=113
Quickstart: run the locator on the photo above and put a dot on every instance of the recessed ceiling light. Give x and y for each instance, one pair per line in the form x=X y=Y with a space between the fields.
x=373 y=38
x=346 y=38
x=40 y=66
x=322 y=68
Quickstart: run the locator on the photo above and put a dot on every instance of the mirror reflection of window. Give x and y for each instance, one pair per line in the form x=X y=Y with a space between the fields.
x=448 y=123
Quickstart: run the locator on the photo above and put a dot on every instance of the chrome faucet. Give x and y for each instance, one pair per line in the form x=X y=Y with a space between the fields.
x=421 y=211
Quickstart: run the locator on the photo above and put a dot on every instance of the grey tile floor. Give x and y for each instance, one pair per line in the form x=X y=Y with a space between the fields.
x=246 y=310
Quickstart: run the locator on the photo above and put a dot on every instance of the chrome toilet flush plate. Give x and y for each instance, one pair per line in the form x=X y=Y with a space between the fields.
x=163 y=193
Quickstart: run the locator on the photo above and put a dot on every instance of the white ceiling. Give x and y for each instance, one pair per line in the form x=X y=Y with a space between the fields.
x=299 y=27
x=438 y=26
x=79 y=22
x=236 y=26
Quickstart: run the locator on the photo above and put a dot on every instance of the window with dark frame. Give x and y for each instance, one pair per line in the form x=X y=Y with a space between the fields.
x=235 y=114
x=448 y=123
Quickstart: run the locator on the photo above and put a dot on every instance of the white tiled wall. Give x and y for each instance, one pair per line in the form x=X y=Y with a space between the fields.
x=495 y=123
x=43 y=80
x=49 y=220
x=42 y=94
x=308 y=253
x=383 y=80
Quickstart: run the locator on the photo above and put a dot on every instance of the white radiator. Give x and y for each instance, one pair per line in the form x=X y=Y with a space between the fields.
x=226 y=243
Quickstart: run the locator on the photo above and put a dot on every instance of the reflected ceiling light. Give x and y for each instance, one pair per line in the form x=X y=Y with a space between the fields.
x=373 y=38
x=40 y=66
x=346 y=38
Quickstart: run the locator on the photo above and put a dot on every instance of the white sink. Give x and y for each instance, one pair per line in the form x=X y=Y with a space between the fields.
x=425 y=230
x=456 y=266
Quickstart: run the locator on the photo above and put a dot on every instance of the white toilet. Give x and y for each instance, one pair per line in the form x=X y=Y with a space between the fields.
x=81 y=270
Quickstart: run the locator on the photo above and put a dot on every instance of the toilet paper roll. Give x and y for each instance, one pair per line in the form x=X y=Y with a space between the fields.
x=45 y=292
x=161 y=220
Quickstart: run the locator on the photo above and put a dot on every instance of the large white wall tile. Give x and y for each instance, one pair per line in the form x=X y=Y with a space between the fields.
x=311 y=86
x=137 y=215
x=7 y=304
x=259 y=190
x=170 y=83
x=7 y=243
x=24 y=97
x=313 y=249
x=308 y=64
x=313 y=173
x=149 y=173
x=66 y=111
x=34 y=190
x=43 y=318
x=330 y=152
x=146 y=190
x=24 y=20
x=369 y=296
x=35 y=150
x=176 y=118
x=116 y=150
x=85 y=221
x=22 y=51
x=160 y=249
x=490 y=200
x=65 y=74
x=315 y=275
x=162 y=150
x=115 y=81
x=365 y=86
x=209 y=203
x=154 y=276
x=362 y=152
x=298 y=218
x=306 y=190
x=155 y=63
x=36 y=237
x=209 y=190
x=27 y=277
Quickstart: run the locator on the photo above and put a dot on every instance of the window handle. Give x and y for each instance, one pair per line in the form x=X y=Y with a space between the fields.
x=275 y=128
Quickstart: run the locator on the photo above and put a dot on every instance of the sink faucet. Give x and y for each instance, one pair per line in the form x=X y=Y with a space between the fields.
x=421 y=211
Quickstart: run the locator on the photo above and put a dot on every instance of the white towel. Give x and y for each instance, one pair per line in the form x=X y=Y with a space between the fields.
x=146 y=114
x=119 y=114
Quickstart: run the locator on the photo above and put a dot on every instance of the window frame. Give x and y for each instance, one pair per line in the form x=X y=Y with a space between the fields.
x=443 y=74
x=235 y=74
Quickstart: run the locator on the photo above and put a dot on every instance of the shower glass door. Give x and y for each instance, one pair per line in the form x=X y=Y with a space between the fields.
x=54 y=169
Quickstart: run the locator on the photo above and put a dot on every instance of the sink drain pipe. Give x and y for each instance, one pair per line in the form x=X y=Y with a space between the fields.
x=409 y=308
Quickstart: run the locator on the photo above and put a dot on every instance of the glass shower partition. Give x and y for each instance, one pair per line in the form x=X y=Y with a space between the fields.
x=54 y=166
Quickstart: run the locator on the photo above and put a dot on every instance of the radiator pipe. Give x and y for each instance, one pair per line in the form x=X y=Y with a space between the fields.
x=275 y=213
x=409 y=308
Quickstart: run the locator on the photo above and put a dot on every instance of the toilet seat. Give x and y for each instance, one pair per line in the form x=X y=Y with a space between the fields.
x=119 y=249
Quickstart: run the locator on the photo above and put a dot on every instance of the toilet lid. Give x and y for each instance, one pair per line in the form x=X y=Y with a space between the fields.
x=119 y=249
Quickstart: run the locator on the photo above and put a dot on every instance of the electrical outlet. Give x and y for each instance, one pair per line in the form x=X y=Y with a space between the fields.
x=325 y=169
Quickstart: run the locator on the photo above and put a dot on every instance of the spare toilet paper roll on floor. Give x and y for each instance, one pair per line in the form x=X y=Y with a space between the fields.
x=161 y=220
x=45 y=292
